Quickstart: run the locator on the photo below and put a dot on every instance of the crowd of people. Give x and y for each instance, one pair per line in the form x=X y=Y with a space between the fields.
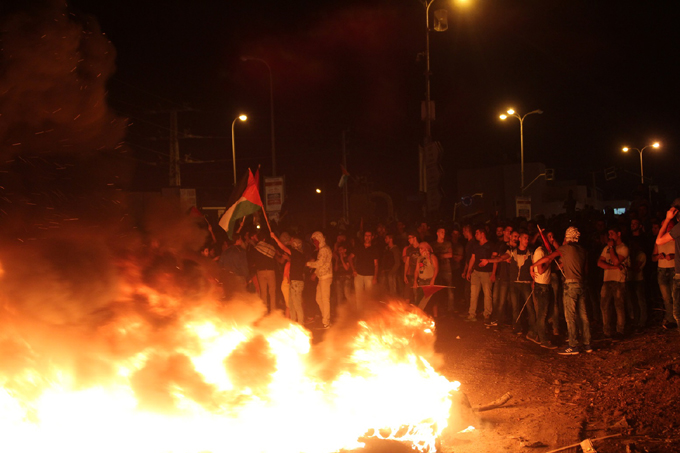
x=557 y=282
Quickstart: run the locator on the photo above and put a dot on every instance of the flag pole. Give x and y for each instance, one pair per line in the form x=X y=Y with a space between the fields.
x=264 y=211
x=266 y=219
x=549 y=249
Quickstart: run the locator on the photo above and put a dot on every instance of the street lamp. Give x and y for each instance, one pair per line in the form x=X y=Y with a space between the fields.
x=440 y=25
x=323 y=201
x=233 y=143
x=271 y=106
x=511 y=112
x=653 y=145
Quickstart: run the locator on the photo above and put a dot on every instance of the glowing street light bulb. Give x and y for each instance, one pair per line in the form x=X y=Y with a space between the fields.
x=318 y=190
x=625 y=149
x=241 y=117
x=511 y=112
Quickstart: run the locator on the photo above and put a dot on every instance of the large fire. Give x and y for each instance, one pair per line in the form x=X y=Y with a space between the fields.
x=148 y=373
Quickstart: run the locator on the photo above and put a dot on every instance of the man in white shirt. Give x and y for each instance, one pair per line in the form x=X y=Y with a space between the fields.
x=670 y=231
x=614 y=260
x=542 y=296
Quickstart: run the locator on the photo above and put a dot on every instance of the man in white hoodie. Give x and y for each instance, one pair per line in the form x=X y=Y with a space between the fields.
x=324 y=272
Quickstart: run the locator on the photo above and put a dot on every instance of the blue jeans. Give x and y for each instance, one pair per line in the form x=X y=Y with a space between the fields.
x=542 y=297
x=500 y=296
x=388 y=282
x=676 y=298
x=519 y=295
x=555 y=283
x=612 y=296
x=480 y=281
x=446 y=279
x=296 y=312
x=574 y=298
x=635 y=297
x=363 y=285
x=343 y=289
x=664 y=278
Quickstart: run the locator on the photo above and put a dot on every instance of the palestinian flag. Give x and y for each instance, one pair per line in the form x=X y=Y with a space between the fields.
x=244 y=200
x=344 y=177
x=428 y=291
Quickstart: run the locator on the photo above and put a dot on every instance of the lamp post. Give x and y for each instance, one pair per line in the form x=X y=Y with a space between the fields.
x=323 y=204
x=441 y=25
x=271 y=106
x=511 y=112
x=233 y=143
x=642 y=174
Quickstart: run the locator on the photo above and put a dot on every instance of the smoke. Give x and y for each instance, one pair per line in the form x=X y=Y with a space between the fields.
x=53 y=71
x=85 y=296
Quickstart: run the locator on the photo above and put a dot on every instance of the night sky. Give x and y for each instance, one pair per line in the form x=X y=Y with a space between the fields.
x=603 y=72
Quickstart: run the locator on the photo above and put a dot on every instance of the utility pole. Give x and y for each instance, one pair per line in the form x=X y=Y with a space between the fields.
x=345 y=191
x=175 y=180
x=173 y=140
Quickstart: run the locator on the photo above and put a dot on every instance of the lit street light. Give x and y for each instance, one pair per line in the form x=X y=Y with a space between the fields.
x=323 y=201
x=642 y=174
x=511 y=112
x=233 y=143
x=271 y=106
x=441 y=24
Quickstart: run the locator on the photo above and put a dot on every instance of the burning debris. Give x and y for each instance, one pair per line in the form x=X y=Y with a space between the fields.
x=94 y=353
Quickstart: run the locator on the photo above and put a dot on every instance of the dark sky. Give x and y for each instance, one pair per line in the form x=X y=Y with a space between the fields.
x=604 y=73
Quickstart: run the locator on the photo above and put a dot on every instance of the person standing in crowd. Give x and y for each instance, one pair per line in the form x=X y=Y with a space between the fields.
x=479 y=275
x=664 y=256
x=667 y=233
x=364 y=263
x=574 y=261
x=555 y=284
x=636 y=300
x=390 y=261
x=264 y=262
x=443 y=250
x=342 y=275
x=500 y=234
x=520 y=288
x=324 y=272
x=502 y=281
x=425 y=275
x=234 y=264
x=541 y=296
x=457 y=256
x=614 y=260
x=410 y=256
x=470 y=243
x=293 y=277
x=285 y=280
x=423 y=232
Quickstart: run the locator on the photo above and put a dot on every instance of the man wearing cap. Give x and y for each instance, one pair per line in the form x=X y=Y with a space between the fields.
x=667 y=233
x=574 y=265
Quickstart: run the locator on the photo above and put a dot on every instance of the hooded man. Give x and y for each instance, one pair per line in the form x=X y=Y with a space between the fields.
x=324 y=272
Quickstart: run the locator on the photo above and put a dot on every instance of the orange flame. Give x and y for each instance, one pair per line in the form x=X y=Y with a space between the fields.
x=152 y=374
